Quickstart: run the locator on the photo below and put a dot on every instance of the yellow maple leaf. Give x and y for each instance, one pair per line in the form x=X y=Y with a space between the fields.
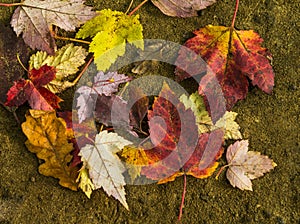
x=85 y=182
x=135 y=158
x=47 y=138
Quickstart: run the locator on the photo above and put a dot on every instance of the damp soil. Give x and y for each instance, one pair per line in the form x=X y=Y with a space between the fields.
x=270 y=122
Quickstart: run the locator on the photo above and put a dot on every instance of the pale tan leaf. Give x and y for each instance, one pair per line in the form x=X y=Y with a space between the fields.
x=245 y=166
x=105 y=167
x=35 y=17
x=182 y=8
x=237 y=178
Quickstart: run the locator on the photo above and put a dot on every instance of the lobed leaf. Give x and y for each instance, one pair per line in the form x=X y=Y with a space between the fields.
x=105 y=167
x=66 y=61
x=234 y=57
x=34 y=19
x=245 y=166
x=33 y=90
x=110 y=31
x=48 y=139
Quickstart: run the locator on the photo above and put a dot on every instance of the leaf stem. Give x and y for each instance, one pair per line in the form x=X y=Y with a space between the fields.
x=11 y=4
x=220 y=171
x=70 y=39
x=182 y=198
x=136 y=8
x=83 y=70
x=21 y=63
x=235 y=12
x=129 y=7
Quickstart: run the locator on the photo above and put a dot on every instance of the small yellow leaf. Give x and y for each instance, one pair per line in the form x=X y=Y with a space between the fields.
x=135 y=158
x=48 y=139
x=85 y=182
x=228 y=123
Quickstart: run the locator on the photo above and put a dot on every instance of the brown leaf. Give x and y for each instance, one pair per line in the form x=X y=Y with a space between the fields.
x=182 y=8
x=34 y=19
x=48 y=139
x=245 y=166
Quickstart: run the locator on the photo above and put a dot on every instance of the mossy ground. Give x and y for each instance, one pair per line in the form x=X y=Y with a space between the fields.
x=270 y=122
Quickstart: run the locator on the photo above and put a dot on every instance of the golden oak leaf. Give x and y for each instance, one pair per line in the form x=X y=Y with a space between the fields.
x=48 y=139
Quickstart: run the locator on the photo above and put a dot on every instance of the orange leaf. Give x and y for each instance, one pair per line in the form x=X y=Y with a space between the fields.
x=48 y=139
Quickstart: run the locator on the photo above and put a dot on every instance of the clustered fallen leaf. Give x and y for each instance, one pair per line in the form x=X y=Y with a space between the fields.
x=186 y=140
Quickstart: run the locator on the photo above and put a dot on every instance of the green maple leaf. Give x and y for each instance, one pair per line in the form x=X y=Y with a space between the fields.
x=110 y=31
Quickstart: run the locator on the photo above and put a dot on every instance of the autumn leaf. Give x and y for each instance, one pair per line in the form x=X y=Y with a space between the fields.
x=205 y=124
x=66 y=62
x=135 y=159
x=244 y=166
x=110 y=31
x=139 y=108
x=178 y=149
x=47 y=138
x=108 y=107
x=182 y=8
x=10 y=47
x=33 y=90
x=105 y=167
x=234 y=56
x=34 y=19
x=104 y=84
x=85 y=182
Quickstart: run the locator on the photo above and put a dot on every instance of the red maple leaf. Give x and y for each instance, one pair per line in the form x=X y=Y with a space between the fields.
x=33 y=90
x=234 y=56
x=178 y=148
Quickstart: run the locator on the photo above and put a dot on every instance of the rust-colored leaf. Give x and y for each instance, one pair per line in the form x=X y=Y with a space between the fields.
x=48 y=139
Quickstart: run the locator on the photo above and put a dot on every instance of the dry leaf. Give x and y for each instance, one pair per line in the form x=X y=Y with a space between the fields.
x=35 y=17
x=182 y=8
x=135 y=158
x=245 y=166
x=48 y=139
x=105 y=167
x=85 y=182
x=66 y=62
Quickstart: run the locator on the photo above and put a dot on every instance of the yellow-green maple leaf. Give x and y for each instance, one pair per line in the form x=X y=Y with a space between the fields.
x=110 y=31
x=66 y=62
